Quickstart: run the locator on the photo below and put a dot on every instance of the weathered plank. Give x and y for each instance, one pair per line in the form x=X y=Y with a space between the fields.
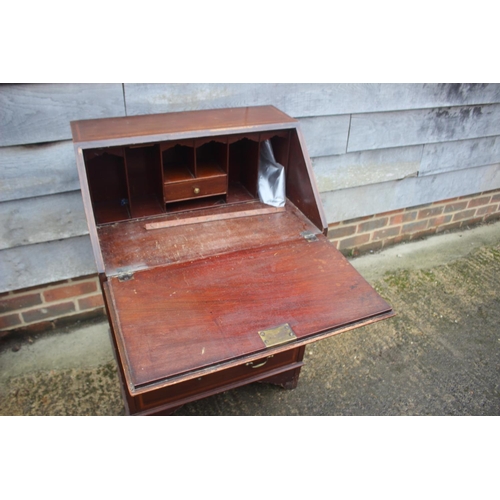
x=27 y=171
x=457 y=155
x=33 y=113
x=405 y=128
x=326 y=135
x=386 y=196
x=45 y=218
x=366 y=167
x=305 y=99
x=45 y=263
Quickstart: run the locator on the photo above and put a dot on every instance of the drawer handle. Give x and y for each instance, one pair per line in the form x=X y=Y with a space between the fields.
x=196 y=190
x=260 y=364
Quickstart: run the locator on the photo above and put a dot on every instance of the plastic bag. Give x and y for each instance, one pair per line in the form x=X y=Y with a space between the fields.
x=271 y=178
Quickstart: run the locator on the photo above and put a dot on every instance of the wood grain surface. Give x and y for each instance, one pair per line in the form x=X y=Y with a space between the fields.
x=130 y=246
x=208 y=122
x=181 y=318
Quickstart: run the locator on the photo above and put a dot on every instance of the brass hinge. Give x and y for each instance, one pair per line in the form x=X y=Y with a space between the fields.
x=125 y=276
x=310 y=237
x=277 y=335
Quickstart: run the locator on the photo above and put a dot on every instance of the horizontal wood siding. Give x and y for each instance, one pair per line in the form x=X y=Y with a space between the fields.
x=326 y=135
x=374 y=148
x=37 y=170
x=33 y=113
x=447 y=156
x=31 y=265
x=403 y=128
x=44 y=218
x=306 y=99
x=366 y=167
x=386 y=196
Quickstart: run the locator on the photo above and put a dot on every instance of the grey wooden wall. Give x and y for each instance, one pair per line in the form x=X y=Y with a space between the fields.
x=375 y=148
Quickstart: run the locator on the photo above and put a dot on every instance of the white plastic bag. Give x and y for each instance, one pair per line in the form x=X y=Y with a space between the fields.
x=271 y=178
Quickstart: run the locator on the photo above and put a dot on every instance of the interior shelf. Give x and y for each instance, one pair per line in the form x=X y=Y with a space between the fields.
x=147 y=180
x=177 y=172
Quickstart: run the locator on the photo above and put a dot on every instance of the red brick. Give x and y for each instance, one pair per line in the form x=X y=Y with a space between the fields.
x=358 y=219
x=48 y=312
x=19 y=302
x=372 y=224
x=495 y=198
x=396 y=240
x=487 y=210
x=491 y=217
x=477 y=202
x=386 y=233
x=341 y=232
x=388 y=214
x=354 y=241
x=70 y=291
x=419 y=207
x=413 y=227
x=474 y=221
x=430 y=212
x=409 y=216
x=404 y=217
x=372 y=246
x=91 y=302
x=396 y=219
x=444 y=202
x=454 y=207
x=466 y=214
x=424 y=233
x=39 y=288
x=9 y=321
x=439 y=221
x=448 y=227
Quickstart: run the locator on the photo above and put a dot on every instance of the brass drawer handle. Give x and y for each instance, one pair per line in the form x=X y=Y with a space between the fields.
x=196 y=190
x=260 y=364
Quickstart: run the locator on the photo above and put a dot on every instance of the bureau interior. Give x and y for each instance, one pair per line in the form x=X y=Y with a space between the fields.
x=146 y=180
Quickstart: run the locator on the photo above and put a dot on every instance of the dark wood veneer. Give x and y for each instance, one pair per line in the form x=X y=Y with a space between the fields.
x=193 y=265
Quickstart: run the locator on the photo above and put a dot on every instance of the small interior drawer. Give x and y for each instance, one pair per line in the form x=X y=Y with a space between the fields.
x=195 y=188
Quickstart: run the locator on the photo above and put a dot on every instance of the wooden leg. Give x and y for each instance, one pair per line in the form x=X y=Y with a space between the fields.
x=287 y=380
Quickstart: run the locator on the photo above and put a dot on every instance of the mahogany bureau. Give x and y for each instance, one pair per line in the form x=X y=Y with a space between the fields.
x=210 y=241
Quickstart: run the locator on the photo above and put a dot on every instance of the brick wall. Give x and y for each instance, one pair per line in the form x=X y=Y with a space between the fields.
x=47 y=307
x=374 y=232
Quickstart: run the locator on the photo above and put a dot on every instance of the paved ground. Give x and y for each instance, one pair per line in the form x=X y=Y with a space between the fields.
x=439 y=356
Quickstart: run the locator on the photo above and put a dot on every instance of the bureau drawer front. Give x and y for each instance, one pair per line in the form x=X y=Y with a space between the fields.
x=195 y=188
x=208 y=382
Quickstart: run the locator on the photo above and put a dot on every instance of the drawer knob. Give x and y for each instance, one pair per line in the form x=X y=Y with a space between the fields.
x=196 y=190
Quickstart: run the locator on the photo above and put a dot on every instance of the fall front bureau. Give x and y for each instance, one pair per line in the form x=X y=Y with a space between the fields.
x=210 y=241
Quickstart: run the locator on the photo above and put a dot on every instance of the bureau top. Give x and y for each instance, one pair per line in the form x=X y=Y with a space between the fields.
x=187 y=123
